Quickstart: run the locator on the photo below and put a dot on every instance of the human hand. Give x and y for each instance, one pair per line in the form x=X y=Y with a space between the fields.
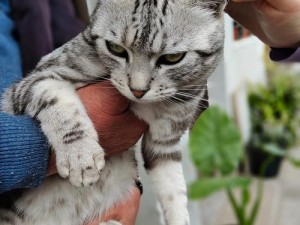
x=275 y=22
x=123 y=212
x=117 y=127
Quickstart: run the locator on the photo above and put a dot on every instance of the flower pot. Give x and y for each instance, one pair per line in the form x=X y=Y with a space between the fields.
x=258 y=157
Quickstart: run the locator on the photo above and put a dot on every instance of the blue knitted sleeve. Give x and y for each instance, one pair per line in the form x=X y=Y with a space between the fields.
x=24 y=152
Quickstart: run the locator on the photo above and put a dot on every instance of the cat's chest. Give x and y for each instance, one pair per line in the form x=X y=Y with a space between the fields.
x=144 y=112
x=163 y=121
x=150 y=113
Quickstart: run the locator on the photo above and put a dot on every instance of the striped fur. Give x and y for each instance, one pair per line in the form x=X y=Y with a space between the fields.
x=147 y=29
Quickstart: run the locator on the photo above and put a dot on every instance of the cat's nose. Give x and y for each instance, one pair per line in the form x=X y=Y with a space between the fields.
x=138 y=93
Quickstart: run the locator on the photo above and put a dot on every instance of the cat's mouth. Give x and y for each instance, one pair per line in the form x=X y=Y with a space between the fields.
x=142 y=100
x=145 y=96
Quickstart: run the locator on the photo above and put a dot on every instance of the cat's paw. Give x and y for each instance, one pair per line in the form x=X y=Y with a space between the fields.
x=81 y=162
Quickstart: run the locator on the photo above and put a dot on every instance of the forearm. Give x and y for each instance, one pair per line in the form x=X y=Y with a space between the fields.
x=24 y=153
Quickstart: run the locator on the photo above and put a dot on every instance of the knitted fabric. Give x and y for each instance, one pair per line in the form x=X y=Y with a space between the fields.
x=24 y=151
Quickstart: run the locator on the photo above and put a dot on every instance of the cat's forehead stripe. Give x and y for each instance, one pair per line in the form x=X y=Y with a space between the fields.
x=144 y=4
x=150 y=14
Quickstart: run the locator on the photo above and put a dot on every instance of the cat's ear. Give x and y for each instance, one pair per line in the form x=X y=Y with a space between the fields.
x=216 y=6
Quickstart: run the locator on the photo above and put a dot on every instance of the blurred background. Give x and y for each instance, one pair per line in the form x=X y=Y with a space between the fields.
x=262 y=99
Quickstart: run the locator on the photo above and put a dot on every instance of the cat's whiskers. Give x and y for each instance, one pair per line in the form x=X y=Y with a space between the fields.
x=191 y=89
x=184 y=94
x=172 y=104
x=178 y=99
x=195 y=85
x=191 y=96
x=197 y=104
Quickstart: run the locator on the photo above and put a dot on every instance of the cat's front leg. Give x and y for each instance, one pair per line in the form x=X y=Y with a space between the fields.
x=54 y=102
x=162 y=160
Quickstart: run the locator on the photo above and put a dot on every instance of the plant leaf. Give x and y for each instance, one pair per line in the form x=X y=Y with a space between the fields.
x=215 y=143
x=207 y=186
x=274 y=150
x=294 y=162
x=245 y=196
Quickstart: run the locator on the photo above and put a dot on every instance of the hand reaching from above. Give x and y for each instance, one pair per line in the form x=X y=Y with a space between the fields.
x=275 y=22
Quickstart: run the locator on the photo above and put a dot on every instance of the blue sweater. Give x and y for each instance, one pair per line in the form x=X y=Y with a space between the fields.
x=24 y=152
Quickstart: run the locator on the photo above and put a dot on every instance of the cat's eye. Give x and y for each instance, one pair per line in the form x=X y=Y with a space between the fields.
x=171 y=59
x=117 y=50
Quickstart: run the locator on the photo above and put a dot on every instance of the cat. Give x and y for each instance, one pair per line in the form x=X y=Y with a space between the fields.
x=157 y=53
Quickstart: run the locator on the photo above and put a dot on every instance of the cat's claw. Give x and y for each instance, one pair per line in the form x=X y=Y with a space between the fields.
x=81 y=162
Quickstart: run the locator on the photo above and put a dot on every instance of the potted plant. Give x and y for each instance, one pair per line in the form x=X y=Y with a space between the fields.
x=274 y=111
x=217 y=151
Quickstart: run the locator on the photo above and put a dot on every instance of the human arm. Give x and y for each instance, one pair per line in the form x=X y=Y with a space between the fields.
x=23 y=153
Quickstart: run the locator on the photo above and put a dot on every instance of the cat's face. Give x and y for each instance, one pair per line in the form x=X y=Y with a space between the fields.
x=159 y=49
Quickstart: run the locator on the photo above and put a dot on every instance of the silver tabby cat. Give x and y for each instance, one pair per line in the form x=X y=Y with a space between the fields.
x=157 y=53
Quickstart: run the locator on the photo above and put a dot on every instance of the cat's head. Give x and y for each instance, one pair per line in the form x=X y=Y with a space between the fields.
x=159 y=49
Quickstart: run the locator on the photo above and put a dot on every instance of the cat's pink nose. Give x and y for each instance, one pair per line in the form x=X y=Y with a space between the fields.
x=138 y=93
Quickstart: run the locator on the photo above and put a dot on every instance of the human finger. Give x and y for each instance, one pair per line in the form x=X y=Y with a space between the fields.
x=118 y=133
x=125 y=212
x=103 y=97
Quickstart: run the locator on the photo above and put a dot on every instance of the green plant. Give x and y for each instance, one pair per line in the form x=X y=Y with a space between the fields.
x=216 y=150
x=274 y=114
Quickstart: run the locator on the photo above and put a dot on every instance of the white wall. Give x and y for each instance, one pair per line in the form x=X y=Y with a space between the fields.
x=243 y=64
